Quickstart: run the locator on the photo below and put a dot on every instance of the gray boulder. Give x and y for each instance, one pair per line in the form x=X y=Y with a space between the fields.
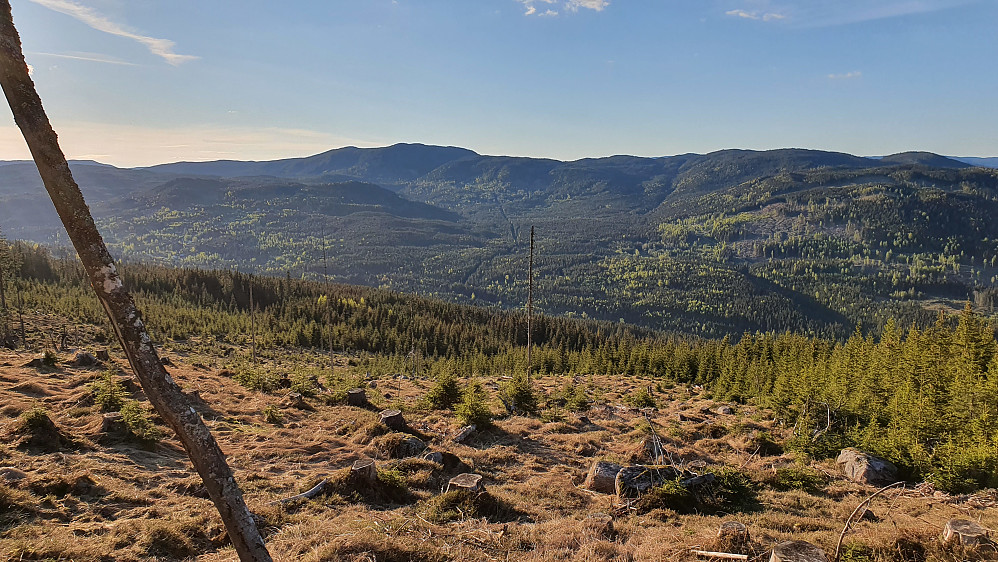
x=866 y=468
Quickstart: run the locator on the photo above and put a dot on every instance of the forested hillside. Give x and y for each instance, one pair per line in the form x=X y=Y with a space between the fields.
x=712 y=244
x=925 y=398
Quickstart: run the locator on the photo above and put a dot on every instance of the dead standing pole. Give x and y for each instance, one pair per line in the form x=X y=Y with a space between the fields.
x=164 y=394
x=530 y=305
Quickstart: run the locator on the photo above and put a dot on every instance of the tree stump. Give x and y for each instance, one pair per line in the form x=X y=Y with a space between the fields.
x=600 y=526
x=465 y=432
x=364 y=471
x=112 y=423
x=797 y=551
x=294 y=400
x=964 y=533
x=733 y=536
x=84 y=359
x=602 y=477
x=103 y=355
x=357 y=397
x=467 y=482
x=394 y=420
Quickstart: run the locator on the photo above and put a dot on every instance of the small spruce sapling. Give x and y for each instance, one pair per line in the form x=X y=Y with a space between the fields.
x=474 y=407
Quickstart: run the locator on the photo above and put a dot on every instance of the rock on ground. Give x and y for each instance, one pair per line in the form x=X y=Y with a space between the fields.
x=866 y=468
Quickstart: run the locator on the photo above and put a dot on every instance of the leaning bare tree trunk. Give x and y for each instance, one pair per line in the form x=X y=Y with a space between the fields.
x=164 y=394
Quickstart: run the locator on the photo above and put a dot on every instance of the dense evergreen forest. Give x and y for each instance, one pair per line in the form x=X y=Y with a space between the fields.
x=923 y=395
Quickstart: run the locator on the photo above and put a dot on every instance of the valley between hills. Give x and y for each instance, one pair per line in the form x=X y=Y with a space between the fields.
x=715 y=244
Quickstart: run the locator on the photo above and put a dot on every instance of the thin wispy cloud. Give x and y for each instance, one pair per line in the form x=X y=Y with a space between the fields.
x=767 y=16
x=88 y=57
x=160 y=47
x=825 y=13
x=544 y=7
x=846 y=75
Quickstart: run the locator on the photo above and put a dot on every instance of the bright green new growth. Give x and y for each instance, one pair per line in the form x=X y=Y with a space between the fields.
x=445 y=393
x=138 y=422
x=108 y=392
x=519 y=395
x=474 y=406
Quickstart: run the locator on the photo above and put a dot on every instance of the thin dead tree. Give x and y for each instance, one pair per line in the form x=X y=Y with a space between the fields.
x=252 y=321
x=4 y=312
x=530 y=305
x=162 y=391
x=329 y=303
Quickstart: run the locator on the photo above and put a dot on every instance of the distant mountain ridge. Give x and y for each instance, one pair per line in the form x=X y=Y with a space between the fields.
x=712 y=243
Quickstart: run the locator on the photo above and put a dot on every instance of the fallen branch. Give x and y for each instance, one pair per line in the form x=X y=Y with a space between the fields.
x=838 y=546
x=723 y=555
x=315 y=491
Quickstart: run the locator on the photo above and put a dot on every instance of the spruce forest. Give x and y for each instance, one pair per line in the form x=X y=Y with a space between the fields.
x=918 y=395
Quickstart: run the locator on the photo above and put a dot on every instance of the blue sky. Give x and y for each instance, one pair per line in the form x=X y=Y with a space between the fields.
x=136 y=82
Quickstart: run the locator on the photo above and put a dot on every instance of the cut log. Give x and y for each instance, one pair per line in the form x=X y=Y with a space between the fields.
x=600 y=525
x=797 y=551
x=357 y=397
x=467 y=482
x=602 y=477
x=721 y=555
x=465 y=432
x=364 y=471
x=698 y=480
x=964 y=533
x=633 y=481
x=394 y=420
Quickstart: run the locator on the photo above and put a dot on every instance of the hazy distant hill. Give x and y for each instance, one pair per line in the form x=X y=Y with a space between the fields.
x=991 y=162
x=392 y=164
x=923 y=159
x=713 y=244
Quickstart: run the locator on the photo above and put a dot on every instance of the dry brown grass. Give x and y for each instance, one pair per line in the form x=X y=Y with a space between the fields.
x=98 y=500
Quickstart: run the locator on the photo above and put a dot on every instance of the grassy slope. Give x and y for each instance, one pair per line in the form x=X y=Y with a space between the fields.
x=118 y=500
